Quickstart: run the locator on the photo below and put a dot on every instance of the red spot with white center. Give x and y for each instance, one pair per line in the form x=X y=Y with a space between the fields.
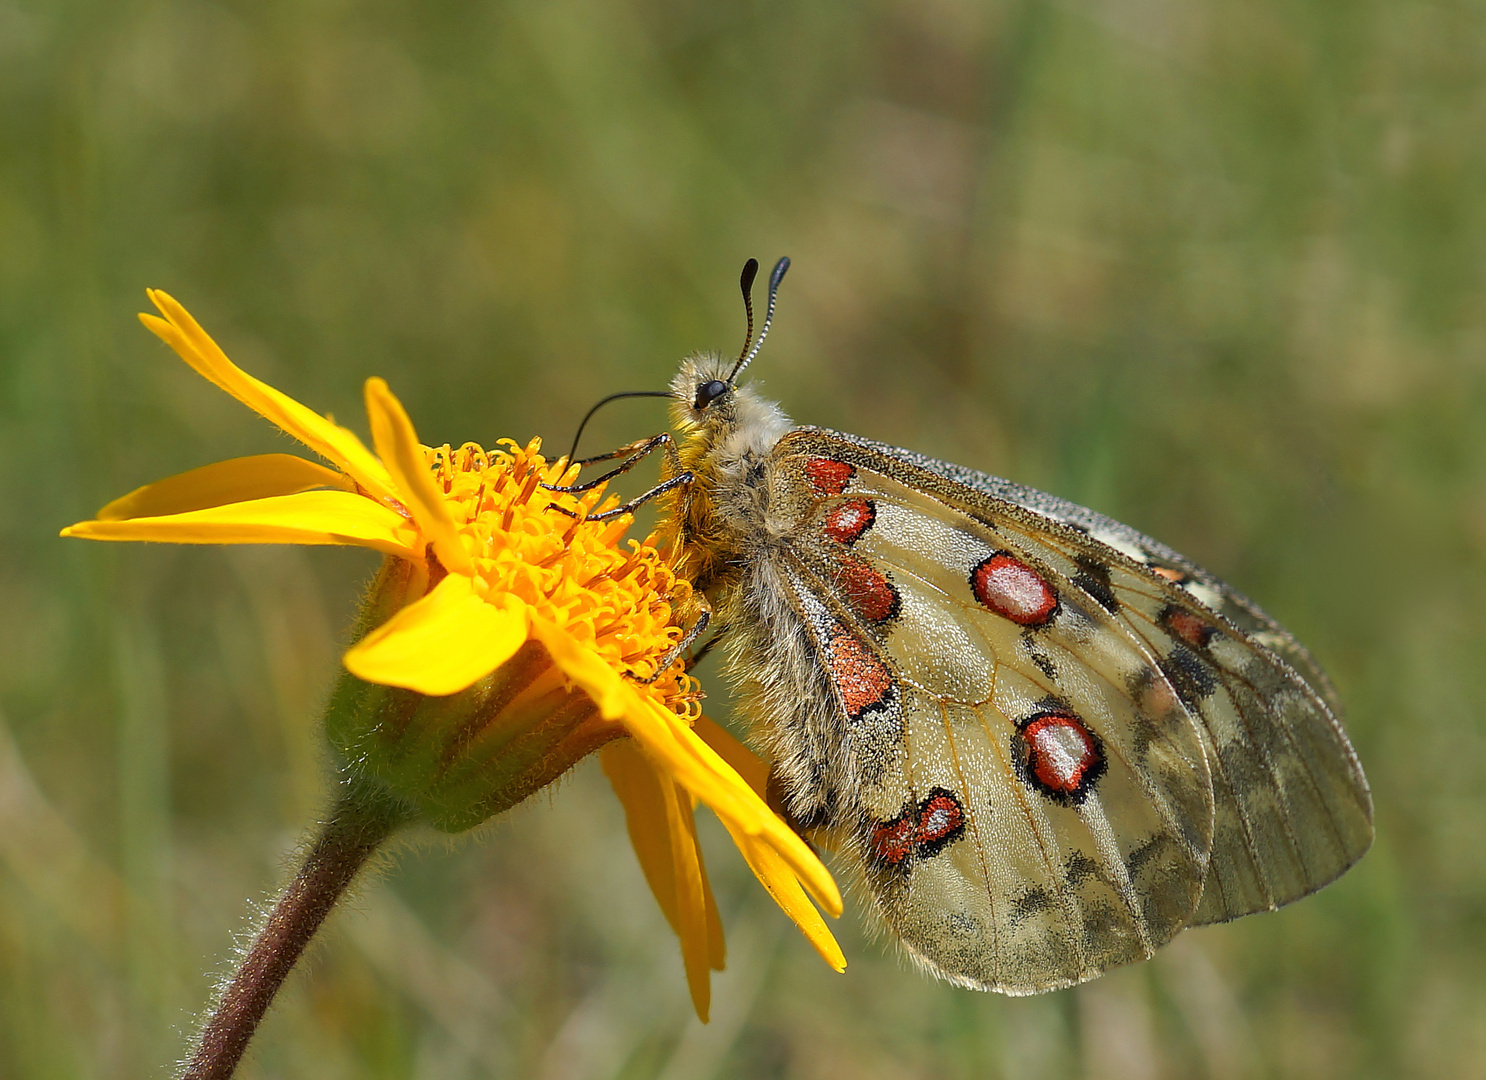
x=1192 y=629
x=1063 y=757
x=846 y=522
x=868 y=591
x=1012 y=589
x=922 y=831
x=861 y=678
x=940 y=819
x=827 y=476
x=892 y=841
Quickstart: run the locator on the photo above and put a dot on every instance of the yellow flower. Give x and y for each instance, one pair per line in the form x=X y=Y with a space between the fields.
x=516 y=638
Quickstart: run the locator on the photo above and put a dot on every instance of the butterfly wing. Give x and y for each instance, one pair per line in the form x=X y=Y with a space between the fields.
x=1027 y=794
x=1292 y=810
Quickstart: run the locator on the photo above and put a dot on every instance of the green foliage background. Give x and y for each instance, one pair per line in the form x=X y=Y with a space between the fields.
x=1215 y=267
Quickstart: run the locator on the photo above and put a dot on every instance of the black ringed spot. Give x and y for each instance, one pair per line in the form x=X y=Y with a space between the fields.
x=1004 y=584
x=827 y=476
x=1057 y=754
x=1190 y=627
x=869 y=591
x=941 y=821
x=863 y=681
x=892 y=841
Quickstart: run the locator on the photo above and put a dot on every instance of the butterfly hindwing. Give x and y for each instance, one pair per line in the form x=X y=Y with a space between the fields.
x=1025 y=792
x=1292 y=809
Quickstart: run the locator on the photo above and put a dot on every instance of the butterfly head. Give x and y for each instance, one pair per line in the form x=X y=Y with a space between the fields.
x=710 y=408
x=711 y=411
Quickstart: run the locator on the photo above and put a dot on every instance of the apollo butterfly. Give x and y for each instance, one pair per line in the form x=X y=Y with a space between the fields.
x=1044 y=742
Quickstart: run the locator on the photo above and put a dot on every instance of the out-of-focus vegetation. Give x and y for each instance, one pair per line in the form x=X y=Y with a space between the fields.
x=1215 y=267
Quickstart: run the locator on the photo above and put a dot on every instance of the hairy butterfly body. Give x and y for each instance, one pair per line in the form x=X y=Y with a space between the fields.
x=1046 y=742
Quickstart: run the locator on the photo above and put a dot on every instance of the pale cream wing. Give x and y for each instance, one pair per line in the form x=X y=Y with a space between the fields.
x=1293 y=810
x=1025 y=792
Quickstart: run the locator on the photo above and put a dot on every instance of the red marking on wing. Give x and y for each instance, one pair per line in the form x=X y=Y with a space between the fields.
x=860 y=676
x=868 y=591
x=1157 y=698
x=1062 y=752
x=939 y=817
x=1195 y=631
x=1012 y=589
x=893 y=840
x=846 y=522
x=1177 y=576
x=923 y=830
x=828 y=477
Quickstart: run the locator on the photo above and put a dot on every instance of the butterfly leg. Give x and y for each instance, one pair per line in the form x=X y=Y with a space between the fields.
x=627 y=448
x=639 y=451
x=696 y=658
x=685 y=479
x=697 y=629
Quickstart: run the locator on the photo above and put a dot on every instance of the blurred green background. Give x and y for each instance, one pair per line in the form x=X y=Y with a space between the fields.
x=1214 y=267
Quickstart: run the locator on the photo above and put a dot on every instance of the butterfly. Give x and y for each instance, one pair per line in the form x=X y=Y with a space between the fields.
x=1044 y=742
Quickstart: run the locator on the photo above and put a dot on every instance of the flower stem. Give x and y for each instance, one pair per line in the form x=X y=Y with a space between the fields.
x=361 y=821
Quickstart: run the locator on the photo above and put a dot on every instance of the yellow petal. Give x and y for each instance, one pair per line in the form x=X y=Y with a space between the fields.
x=690 y=761
x=442 y=643
x=749 y=765
x=238 y=480
x=691 y=904
x=717 y=950
x=183 y=334
x=783 y=886
x=772 y=871
x=617 y=700
x=752 y=817
x=310 y=517
x=639 y=791
x=585 y=667
x=397 y=443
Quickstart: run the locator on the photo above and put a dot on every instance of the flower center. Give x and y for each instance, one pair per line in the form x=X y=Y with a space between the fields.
x=623 y=602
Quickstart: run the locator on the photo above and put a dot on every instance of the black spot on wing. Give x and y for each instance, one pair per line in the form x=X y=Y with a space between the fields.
x=1142 y=734
x=1189 y=675
x=1093 y=578
x=1145 y=852
x=1043 y=661
x=1032 y=902
x=1078 y=867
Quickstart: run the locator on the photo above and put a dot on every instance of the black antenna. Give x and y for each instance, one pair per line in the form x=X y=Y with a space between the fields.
x=775 y=277
x=612 y=397
x=750 y=271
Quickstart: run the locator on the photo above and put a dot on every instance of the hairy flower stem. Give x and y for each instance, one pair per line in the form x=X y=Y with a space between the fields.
x=361 y=821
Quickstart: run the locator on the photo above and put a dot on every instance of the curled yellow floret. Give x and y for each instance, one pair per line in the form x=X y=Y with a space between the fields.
x=503 y=609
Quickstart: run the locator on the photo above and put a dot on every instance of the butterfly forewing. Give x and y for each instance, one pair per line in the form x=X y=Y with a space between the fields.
x=1292 y=809
x=1027 y=795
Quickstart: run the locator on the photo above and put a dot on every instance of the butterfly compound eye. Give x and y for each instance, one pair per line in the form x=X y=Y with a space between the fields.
x=709 y=392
